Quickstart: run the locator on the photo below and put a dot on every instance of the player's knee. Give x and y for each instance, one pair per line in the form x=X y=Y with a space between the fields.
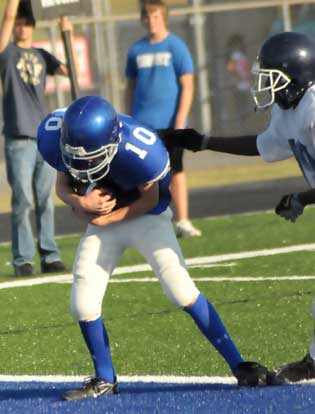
x=85 y=304
x=179 y=287
x=183 y=301
x=83 y=312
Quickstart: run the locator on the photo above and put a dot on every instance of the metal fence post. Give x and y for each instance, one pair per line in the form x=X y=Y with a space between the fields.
x=113 y=58
x=202 y=72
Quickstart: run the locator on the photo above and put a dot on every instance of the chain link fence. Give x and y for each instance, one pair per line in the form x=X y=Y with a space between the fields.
x=223 y=37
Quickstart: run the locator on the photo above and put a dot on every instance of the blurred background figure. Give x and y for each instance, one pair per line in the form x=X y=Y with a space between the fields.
x=237 y=63
x=238 y=67
x=23 y=74
x=159 y=93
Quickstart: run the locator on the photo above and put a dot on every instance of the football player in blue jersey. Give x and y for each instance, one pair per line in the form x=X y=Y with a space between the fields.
x=127 y=168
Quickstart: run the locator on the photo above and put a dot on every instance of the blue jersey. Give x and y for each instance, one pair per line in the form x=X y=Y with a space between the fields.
x=141 y=157
x=156 y=67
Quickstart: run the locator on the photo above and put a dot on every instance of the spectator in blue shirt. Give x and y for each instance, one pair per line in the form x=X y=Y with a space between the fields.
x=159 y=94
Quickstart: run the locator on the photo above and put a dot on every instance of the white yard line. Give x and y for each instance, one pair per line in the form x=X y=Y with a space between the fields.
x=204 y=260
x=166 y=379
x=122 y=378
x=149 y=279
x=224 y=257
x=218 y=279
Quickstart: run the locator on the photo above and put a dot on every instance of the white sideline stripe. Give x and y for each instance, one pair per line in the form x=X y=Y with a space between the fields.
x=122 y=378
x=205 y=265
x=253 y=253
x=36 y=281
x=224 y=257
x=68 y=279
x=219 y=279
x=166 y=379
x=192 y=261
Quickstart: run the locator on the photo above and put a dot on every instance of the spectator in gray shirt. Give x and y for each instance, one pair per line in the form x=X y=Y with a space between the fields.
x=23 y=71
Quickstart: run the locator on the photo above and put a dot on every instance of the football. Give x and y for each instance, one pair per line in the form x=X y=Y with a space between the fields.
x=123 y=197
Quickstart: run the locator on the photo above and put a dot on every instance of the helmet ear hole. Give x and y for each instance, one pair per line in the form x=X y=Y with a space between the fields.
x=286 y=98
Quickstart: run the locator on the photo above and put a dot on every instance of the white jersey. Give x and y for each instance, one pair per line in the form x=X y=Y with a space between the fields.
x=291 y=132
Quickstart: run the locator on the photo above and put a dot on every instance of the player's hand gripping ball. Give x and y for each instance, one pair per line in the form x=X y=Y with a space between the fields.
x=102 y=198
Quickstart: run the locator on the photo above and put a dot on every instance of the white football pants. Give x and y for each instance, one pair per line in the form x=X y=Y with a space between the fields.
x=101 y=248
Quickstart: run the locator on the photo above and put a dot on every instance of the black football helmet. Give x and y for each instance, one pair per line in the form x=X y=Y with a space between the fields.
x=284 y=70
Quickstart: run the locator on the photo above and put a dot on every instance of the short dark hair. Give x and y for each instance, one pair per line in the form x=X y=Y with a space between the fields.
x=152 y=5
x=25 y=12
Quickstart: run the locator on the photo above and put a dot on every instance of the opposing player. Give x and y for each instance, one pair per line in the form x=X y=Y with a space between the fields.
x=285 y=80
x=91 y=143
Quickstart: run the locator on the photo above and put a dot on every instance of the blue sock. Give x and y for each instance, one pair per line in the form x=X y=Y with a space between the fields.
x=210 y=324
x=96 y=338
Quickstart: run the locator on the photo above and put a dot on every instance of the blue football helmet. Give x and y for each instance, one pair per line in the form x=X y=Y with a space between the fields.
x=90 y=135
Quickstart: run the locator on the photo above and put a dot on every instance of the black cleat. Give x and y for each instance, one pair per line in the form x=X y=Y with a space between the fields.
x=297 y=371
x=92 y=388
x=53 y=267
x=25 y=269
x=252 y=374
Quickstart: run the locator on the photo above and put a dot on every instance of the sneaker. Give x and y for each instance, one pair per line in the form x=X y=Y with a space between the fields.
x=53 y=267
x=25 y=269
x=253 y=374
x=297 y=371
x=184 y=228
x=92 y=388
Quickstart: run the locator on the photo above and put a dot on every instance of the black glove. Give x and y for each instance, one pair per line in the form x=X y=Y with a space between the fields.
x=290 y=207
x=183 y=138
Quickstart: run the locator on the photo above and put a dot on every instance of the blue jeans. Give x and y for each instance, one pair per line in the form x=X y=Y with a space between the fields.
x=30 y=177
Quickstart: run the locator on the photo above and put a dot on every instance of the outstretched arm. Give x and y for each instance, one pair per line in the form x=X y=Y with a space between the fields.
x=307 y=197
x=8 y=23
x=244 y=145
x=194 y=141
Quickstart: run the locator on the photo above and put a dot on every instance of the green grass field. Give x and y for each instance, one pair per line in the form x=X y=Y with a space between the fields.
x=269 y=319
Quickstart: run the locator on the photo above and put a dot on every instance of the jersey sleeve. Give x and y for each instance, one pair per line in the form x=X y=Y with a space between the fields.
x=182 y=59
x=52 y=62
x=48 y=140
x=155 y=162
x=272 y=145
x=142 y=157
